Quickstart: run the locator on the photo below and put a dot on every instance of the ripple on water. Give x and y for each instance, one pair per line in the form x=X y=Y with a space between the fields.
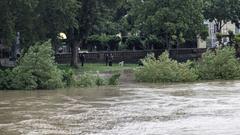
x=180 y=109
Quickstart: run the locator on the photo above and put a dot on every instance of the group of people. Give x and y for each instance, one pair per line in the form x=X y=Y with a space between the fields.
x=108 y=59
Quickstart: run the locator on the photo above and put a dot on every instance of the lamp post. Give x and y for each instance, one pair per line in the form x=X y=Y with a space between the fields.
x=15 y=49
x=18 y=45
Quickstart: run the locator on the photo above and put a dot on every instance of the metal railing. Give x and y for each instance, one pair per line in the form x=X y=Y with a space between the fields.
x=182 y=54
x=5 y=53
x=134 y=56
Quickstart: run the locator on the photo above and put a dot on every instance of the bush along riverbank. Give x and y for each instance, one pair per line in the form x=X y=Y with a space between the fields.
x=36 y=69
x=220 y=64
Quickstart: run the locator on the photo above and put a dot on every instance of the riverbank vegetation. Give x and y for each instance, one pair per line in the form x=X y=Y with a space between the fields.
x=94 y=68
x=218 y=64
x=36 y=69
x=110 y=25
x=164 y=69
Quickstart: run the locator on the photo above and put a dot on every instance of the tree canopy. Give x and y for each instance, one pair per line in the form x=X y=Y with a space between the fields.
x=168 y=18
x=171 y=22
x=222 y=11
x=36 y=20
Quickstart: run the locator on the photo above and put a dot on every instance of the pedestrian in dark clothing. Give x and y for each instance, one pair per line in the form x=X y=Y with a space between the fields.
x=82 y=58
x=60 y=50
x=110 y=60
x=107 y=59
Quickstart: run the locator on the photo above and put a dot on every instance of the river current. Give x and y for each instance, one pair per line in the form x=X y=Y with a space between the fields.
x=206 y=108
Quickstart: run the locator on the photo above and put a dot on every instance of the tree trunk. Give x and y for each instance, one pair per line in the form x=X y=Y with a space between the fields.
x=55 y=45
x=74 y=59
x=169 y=47
x=237 y=48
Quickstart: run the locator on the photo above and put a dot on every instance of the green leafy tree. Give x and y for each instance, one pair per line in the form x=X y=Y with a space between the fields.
x=36 y=20
x=134 y=43
x=94 y=41
x=164 y=69
x=56 y=16
x=113 y=42
x=222 y=11
x=152 y=42
x=91 y=17
x=103 y=42
x=221 y=64
x=37 y=69
x=168 y=18
x=8 y=20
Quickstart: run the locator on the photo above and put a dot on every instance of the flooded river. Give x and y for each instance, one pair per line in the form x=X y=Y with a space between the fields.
x=182 y=109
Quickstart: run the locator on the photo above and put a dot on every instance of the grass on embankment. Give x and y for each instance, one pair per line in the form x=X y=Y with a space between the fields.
x=99 y=67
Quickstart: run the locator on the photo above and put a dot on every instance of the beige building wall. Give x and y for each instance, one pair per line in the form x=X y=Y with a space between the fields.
x=211 y=40
x=201 y=43
x=229 y=27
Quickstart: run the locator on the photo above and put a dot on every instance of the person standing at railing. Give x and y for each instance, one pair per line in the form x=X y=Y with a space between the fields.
x=110 y=60
x=83 y=59
x=107 y=59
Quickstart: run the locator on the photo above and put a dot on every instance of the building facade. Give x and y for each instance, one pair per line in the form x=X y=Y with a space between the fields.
x=212 y=41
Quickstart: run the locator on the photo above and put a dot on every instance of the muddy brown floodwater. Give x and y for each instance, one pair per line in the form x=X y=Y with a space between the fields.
x=211 y=108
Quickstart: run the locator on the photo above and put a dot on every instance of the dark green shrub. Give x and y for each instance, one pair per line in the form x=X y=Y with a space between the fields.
x=164 y=69
x=134 y=42
x=122 y=47
x=114 y=79
x=204 y=33
x=237 y=40
x=103 y=42
x=68 y=77
x=219 y=37
x=93 y=41
x=86 y=80
x=221 y=64
x=38 y=63
x=100 y=81
x=35 y=70
x=6 y=79
x=152 y=42
x=124 y=39
x=24 y=81
x=104 y=39
x=113 y=42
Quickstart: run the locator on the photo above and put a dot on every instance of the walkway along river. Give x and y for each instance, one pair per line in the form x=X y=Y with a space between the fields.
x=180 y=109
